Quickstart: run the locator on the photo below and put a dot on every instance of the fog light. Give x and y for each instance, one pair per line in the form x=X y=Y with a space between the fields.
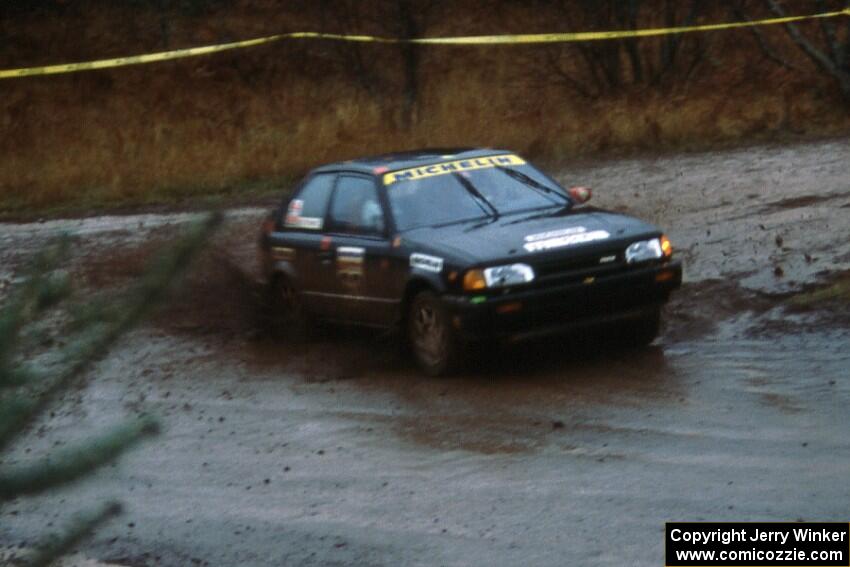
x=509 y=307
x=474 y=280
x=664 y=276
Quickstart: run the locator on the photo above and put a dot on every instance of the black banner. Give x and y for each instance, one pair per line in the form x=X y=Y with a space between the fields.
x=745 y=544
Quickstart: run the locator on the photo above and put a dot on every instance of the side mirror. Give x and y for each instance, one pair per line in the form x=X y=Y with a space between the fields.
x=580 y=194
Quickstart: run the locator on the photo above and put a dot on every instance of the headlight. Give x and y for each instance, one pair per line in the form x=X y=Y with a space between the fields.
x=653 y=249
x=502 y=276
x=498 y=276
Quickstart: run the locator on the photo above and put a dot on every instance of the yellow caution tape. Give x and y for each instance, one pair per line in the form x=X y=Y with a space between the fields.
x=510 y=39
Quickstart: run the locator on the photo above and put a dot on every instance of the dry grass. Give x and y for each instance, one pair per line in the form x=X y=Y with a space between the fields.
x=250 y=121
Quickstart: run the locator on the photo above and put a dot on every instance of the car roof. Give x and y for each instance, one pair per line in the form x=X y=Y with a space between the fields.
x=408 y=159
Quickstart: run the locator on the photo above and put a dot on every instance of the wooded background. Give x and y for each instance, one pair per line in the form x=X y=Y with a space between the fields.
x=252 y=119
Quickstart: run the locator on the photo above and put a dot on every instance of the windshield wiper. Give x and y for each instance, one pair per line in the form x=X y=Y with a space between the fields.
x=481 y=224
x=543 y=215
x=476 y=194
x=533 y=183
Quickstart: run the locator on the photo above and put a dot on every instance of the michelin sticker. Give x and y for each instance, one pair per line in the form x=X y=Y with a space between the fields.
x=560 y=238
x=426 y=263
x=452 y=167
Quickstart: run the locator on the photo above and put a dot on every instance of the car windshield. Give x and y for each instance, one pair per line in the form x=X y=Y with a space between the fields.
x=456 y=196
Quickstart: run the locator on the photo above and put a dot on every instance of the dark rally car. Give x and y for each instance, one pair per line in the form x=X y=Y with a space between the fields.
x=455 y=246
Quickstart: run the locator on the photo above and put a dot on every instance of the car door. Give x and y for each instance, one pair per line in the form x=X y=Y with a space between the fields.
x=356 y=225
x=299 y=241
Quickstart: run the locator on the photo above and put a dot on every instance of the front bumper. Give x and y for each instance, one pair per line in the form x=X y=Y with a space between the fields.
x=546 y=310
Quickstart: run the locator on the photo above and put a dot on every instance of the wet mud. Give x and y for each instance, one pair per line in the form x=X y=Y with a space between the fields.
x=333 y=450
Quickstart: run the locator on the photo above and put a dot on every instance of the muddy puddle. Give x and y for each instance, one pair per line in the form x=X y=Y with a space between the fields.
x=335 y=451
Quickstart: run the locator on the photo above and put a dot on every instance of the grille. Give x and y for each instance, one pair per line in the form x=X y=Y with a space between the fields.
x=565 y=270
x=579 y=304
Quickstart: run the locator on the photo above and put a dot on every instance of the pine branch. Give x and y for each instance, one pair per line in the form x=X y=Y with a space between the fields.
x=73 y=464
x=13 y=410
x=98 y=338
x=40 y=291
x=57 y=546
x=19 y=376
x=28 y=391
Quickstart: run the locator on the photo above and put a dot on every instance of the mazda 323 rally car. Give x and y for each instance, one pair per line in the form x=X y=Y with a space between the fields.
x=455 y=246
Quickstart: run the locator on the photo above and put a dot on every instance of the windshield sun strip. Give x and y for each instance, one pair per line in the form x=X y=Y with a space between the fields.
x=447 y=167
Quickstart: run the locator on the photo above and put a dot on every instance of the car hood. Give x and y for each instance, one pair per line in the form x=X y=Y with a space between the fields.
x=532 y=236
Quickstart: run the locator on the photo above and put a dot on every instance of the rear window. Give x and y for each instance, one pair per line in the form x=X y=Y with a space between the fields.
x=356 y=208
x=307 y=210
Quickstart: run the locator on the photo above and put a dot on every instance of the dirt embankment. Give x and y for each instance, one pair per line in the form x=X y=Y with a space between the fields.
x=336 y=452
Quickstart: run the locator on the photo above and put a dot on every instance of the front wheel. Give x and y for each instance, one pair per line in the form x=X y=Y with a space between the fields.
x=644 y=330
x=432 y=339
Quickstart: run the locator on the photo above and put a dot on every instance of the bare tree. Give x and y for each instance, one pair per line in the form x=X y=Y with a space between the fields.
x=594 y=69
x=770 y=52
x=830 y=52
x=409 y=24
x=397 y=70
x=341 y=16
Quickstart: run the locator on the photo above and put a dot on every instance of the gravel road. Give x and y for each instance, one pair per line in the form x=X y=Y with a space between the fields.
x=336 y=452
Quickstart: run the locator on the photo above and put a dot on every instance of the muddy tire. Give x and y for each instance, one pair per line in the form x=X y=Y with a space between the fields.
x=431 y=338
x=287 y=316
x=643 y=331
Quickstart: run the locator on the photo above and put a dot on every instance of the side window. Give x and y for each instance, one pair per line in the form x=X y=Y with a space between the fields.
x=307 y=209
x=355 y=207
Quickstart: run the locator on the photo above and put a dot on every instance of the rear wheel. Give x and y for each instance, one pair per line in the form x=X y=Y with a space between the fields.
x=288 y=316
x=432 y=339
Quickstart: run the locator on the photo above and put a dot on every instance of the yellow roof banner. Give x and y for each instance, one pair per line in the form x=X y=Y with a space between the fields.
x=447 y=167
x=505 y=39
